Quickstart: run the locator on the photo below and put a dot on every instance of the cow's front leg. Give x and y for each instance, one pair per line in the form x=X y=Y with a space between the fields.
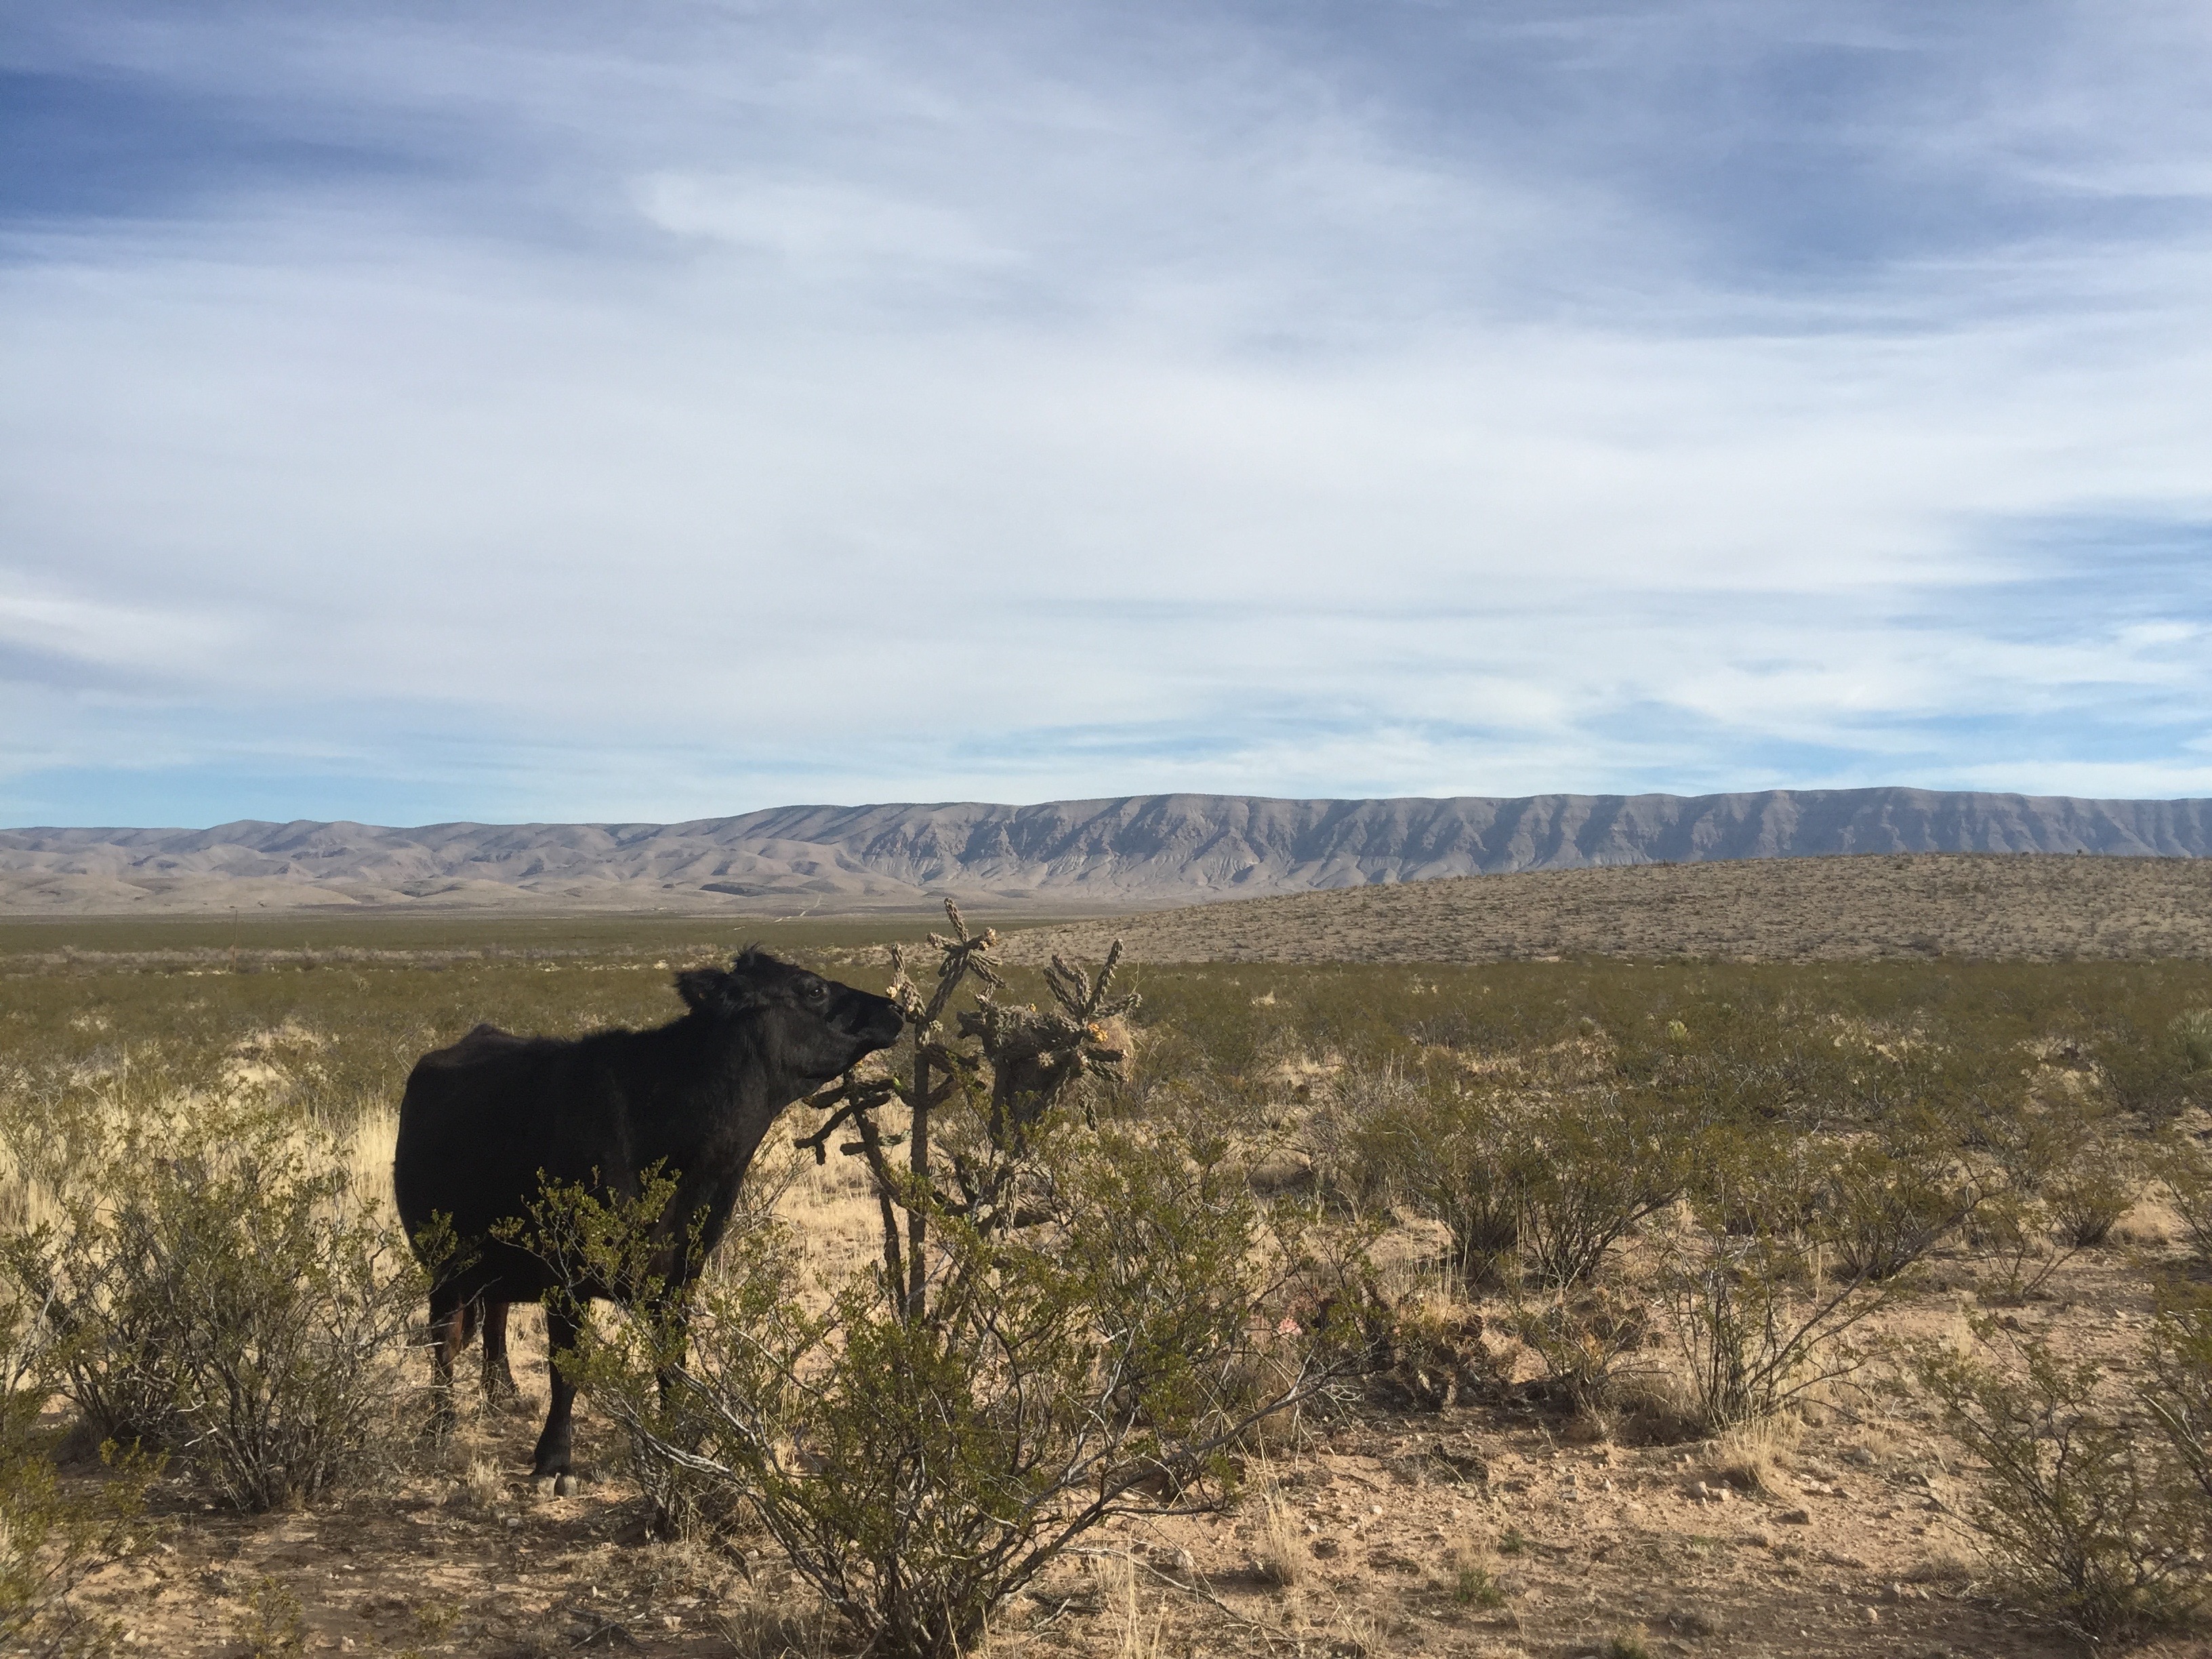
x=563 y=1331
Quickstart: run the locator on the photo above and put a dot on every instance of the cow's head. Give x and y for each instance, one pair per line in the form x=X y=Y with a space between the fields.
x=811 y=1029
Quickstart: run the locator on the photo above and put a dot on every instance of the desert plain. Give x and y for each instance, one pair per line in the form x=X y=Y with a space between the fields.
x=1445 y=1501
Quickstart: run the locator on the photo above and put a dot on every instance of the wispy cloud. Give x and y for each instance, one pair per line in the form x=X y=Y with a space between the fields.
x=556 y=412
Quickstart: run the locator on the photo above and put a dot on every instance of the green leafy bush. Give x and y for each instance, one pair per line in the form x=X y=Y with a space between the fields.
x=50 y=1539
x=221 y=1291
x=1741 y=1277
x=2084 y=1515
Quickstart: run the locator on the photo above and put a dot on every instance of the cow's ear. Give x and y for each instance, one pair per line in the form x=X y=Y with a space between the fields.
x=706 y=990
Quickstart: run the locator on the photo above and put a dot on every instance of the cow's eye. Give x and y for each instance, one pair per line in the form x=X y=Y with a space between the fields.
x=817 y=992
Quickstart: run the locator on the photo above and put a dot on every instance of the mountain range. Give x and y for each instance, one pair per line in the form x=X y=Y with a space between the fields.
x=1137 y=852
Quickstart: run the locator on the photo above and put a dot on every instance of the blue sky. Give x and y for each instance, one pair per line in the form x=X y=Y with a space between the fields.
x=649 y=412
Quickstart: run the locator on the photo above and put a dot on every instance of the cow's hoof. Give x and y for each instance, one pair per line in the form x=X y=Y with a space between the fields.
x=547 y=1486
x=566 y=1485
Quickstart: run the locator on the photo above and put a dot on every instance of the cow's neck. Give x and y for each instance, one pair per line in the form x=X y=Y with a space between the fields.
x=719 y=1114
x=716 y=1120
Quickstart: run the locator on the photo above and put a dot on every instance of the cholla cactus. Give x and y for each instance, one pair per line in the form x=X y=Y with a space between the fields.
x=1035 y=1056
x=962 y=954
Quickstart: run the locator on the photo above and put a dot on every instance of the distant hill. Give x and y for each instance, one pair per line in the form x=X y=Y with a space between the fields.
x=1136 y=853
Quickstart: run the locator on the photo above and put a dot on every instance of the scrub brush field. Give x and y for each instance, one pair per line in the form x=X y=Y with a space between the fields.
x=1608 y=1305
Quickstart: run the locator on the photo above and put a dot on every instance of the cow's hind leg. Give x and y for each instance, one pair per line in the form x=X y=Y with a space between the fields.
x=500 y=1392
x=562 y=1330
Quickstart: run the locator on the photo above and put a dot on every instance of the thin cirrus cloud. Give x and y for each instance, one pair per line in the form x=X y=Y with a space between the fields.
x=547 y=412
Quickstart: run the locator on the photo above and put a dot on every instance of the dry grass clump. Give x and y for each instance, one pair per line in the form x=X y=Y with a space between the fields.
x=1471 y=1569
x=1136 y=1635
x=480 y=1485
x=1753 y=1456
x=1281 y=1553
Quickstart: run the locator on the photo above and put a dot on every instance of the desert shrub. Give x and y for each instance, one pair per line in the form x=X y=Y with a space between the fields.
x=2088 y=1196
x=2015 y=1232
x=2157 y=1070
x=50 y=1542
x=1585 y=1336
x=917 y=1471
x=1473 y=1585
x=222 y=1291
x=1755 y=1329
x=2024 y=1146
x=2185 y=1170
x=1431 y=1353
x=1595 y=1165
x=2178 y=1386
x=1089 y=1323
x=1889 y=1201
x=1367 y=1132
x=1729 y=1062
x=1544 y=1184
x=1462 y=1155
x=2083 y=1514
x=50 y=1539
x=1741 y=1276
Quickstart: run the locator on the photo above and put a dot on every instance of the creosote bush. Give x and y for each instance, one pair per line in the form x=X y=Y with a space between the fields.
x=2178 y=1362
x=2089 y=1193
x=2185 y=1170
x=50 y=1539
x=1529 y=1181
x=1743 y=1277
x=2156 y=1070
x=1461 y=1154
x=2095 y=1521
x=1890 y=1200
x=1598 y=1163
x=1587 y=1337
x=221 y=1291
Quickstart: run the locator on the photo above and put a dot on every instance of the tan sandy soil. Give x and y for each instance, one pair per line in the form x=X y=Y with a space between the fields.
x=2021 y=907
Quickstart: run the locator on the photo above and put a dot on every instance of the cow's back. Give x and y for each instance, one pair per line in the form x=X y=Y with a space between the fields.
x=480 y=1120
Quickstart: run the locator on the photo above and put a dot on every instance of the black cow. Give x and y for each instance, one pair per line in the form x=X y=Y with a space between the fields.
x=485 y=1123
